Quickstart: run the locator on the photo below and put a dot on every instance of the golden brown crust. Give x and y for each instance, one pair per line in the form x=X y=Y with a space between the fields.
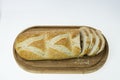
x=29 y=55
x=39 y=44
x=53 y=54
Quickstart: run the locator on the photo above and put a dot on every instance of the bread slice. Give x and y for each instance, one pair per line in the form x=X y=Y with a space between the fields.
x=102 y=41
x=97 y=44
x=85 y=41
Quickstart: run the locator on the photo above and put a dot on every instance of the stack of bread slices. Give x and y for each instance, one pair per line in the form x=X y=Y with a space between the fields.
x=92 y=41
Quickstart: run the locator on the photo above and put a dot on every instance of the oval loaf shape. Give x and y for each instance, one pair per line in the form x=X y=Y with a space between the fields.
x=59 y=43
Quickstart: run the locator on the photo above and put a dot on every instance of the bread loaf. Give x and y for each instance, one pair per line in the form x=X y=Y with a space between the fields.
x=59 y=44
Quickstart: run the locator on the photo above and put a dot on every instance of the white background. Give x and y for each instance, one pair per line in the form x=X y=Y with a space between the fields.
x=18 y=15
